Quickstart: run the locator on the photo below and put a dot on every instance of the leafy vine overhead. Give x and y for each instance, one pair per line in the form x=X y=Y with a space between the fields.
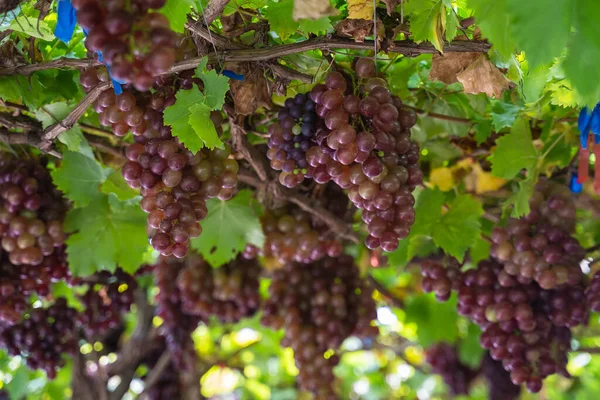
x=285 y=199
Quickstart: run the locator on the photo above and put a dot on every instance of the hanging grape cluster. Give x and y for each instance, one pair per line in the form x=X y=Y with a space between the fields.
x=290 y=236
x=500 y=386
x=361 y=142
x=444 y=361
x=177 y=325
x=135 y=42
x=31 y=212
x=319 y=305
x=229 y=292
x=106 y=300
x=43 y=337
x=539 y=246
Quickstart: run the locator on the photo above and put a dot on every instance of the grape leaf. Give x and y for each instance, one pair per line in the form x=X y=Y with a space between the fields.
x=514 y=152
x=494 y=21
x=470 y=350
x=176 y=11
x=483 y=130
x=215 y=86
x=105 y=234
x=504 y=114
x=428 y=211
x=280 y=18
x=520 y=199
x=316 y=26
x=480 y=250
x=435 y=321
x=31 y=26
x=201 y=123
x=73 y=138
x=79 y=177
x=457 y=229
x=427 y=21
x=228 y=227
x=235 y=5
x=452 y=23
x=528 y=18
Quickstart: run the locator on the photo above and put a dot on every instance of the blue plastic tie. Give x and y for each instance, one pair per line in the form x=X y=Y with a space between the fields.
x=116 y=83
x=595 y=124
x=65 y=25
x=232 y=75
x=575 y=186
x=584 y=125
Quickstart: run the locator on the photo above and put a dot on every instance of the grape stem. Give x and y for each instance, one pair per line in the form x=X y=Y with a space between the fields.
x=30 y=139
x=155 y=374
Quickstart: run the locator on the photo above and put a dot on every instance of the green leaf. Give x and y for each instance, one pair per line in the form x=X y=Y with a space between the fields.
x=79 y=177
x=105 y=234
x=116 y=184
x=228 y=227
x=527 y=21
x=458 y=229
x=428 y=211
x=316 y=26
x=514 y=151
x=534 y=82
x=29 y=26
x=215 y=86
x=520 y=199
x=280 y=18
x=504 y=114
x=427 y=21
x=470 y=351
x=435 y=322
x=583 y=56
x=494 y=20
x=17 y=387
x=177 y=11
x=178 y=117
x=480 y=250
x=483 y=130
x=235 y=5
x=452 y=24
x=204 y=127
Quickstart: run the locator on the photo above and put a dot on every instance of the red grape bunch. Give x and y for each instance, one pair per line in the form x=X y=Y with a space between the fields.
x=31 y=212
x=177 y=324
x=136 y=43
x=362 y=143
x=539 y=246
x=318 y=306
x=43 y=337
x=444 y=361
x=499 y=383
x=441 y=277
x=229 y=292
x=524 y=326
x=106 y=301
x=290 y=236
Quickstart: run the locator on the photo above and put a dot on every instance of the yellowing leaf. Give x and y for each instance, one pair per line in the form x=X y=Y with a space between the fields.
x=427 y=21
x=360 y=9
x=312 y=9
x=485 y=181
x=442 y=178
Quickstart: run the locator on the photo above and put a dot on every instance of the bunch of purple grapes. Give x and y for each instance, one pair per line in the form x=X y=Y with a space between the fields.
x=31 y=212
x=441 y=277
x=318 y=306
x=106 y=300
x=43 y=337
x=592 y=293
x=539 y=246
x=500 y=386
x=175 y=183
x=177 y=324
x=229 y=292
x=525 y=327
x=444 y=361
x=362 y=143
x=291 y=236
x=136 y=43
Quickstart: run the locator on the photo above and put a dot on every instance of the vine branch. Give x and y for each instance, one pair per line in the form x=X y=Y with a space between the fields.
x=30 y=139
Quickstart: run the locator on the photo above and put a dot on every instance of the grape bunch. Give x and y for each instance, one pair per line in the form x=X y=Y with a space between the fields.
x=43 y=337
x=318 y=306
x=532 y=248
x=441 y=277
x=229 y=292
x=136 y=43
x=291 y=137
x=178 y=325
x=106 y=300
x=13 y=294
x=364 y=147
x=31 y=212
x=444 y=361
x=290 y=236
x=592 y=293
x=176 y=183
x=500 y=386
x=524 y=325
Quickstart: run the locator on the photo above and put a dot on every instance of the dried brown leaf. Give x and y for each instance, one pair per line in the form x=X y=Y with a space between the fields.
x=312 y=9
x=445 y=67
x=359 y=28
x=483 y=77
x=391 y=5
x=253 y=92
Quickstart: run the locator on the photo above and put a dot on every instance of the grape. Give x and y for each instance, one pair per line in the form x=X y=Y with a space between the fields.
x=444 y=361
